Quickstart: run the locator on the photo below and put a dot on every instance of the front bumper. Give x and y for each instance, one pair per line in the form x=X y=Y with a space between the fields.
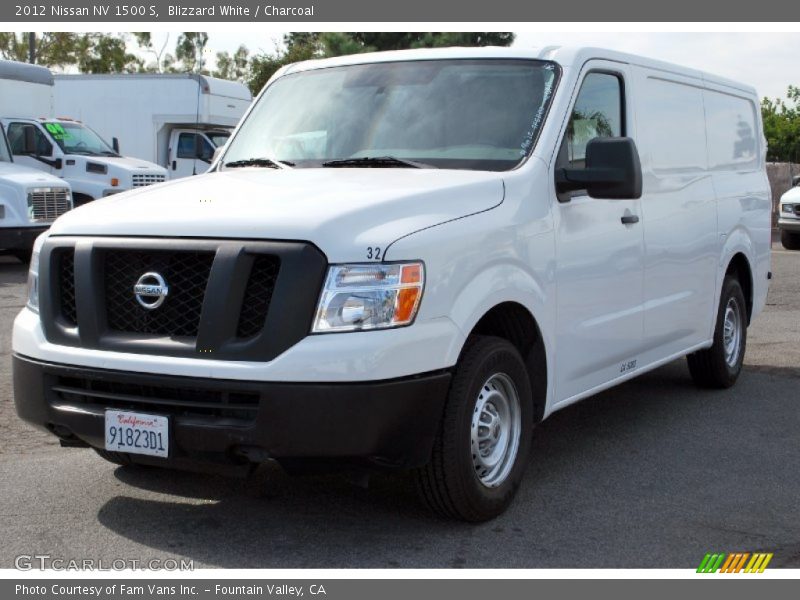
x=792 y=225
x=20 y=238
x=388 y=423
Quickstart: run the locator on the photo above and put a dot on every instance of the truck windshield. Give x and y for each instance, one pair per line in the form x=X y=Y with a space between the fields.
x=453 y=114
x=75 y=138
x=5 y=153
x=218 y=138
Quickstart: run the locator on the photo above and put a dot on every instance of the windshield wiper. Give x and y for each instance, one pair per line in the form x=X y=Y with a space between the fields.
x=270 y=163
x=377 y=161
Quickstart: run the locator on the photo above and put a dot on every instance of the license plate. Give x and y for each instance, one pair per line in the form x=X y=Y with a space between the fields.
x=137 y=433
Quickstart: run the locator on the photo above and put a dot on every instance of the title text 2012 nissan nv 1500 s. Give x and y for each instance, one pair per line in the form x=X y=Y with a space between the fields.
x=406 y=260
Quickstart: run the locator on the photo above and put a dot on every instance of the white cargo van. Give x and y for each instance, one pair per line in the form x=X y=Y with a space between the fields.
x=62 y=146
x=174 y=120
x=29 y=199
x=407 y=260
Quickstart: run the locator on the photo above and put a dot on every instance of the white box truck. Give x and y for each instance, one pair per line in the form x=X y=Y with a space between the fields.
x=30 y=200
x=63 y=146
x=407 y=260
x=174 y=120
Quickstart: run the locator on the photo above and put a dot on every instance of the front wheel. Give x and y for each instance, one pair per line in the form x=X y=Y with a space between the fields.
x=719 y=366
x=482 y=447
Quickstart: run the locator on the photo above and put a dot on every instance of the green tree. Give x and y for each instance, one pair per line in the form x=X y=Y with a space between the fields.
x=782 y=126
x=91 y=52
x=190 y=50
x=234 y=66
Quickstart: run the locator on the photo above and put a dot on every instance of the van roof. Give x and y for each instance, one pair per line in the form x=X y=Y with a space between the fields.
x=562 y=55
x=18 y=71
x=208 y=85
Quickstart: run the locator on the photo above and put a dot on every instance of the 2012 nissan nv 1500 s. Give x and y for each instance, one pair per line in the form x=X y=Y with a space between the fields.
x=407 y=260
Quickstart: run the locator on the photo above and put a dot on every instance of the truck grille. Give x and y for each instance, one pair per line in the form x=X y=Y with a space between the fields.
x=797 y=209
x=224 y=299
x=144 y=179
x=47 y=204
x=173 y=401
x=186 y=274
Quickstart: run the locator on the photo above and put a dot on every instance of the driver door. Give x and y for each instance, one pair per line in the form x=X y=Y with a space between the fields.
x=190 y=153
x=40 y=156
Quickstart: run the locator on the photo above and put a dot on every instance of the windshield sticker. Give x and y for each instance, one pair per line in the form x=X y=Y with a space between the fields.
x=57 y=131
x=530 y=136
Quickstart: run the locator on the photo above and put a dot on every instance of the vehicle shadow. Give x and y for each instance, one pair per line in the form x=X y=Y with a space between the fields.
x=653 y=473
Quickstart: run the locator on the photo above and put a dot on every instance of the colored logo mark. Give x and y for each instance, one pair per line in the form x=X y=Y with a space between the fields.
x=738 y=562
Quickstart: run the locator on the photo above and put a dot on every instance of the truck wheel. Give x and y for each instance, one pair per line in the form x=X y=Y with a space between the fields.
x=719 y=366
x=23 y=255
x=790 y=241
x=482 y=447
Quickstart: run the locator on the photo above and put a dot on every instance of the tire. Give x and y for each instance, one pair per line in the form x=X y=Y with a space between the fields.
x=718 y=367
x=118 y=458
x=22 y=255
x=459 y=483
x=790 y=241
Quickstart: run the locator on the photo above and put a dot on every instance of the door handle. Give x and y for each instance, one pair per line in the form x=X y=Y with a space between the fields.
x=629 y=219
x=174 y=164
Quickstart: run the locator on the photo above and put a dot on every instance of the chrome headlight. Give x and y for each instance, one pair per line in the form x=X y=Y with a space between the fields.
x=33 y=274
x=359 y=297
x=788 y=208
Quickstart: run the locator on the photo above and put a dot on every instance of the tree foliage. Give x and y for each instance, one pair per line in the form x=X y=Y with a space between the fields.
x=91 y=52
x=782 y=126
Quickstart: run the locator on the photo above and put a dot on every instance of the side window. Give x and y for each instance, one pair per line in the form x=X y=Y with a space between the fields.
x=186 y=147
x=598 y=112
x=16 y=139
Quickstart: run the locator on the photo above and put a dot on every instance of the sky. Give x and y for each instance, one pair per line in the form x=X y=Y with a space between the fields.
x=768 y=61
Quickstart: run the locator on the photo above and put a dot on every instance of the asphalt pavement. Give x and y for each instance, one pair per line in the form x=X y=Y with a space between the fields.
x=654 y=473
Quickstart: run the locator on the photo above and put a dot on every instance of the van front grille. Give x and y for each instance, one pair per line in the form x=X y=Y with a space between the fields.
x=186 y=275
x=47 y=204
x=173 y=401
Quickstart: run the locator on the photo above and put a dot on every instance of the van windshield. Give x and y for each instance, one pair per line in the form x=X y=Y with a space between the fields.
x=454 y=114
x=75 y=138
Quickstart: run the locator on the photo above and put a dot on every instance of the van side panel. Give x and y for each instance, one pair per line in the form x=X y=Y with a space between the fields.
x=680 y=214
x=736 y=161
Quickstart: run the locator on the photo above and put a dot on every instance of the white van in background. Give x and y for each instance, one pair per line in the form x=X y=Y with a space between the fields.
x=174 y=120
x=62 y=146
x=30 y=200
x=407 y=260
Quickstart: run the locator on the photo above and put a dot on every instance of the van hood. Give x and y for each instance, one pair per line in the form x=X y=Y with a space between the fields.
x=28 y=177
x=341 y=210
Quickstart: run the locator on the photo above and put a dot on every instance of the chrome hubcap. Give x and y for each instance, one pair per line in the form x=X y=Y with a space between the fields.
x=732 y=332
x=495 y=431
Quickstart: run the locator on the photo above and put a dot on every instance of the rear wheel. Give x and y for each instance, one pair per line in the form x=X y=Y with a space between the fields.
x=790 y=241
x=482 y=447
x=719 y=366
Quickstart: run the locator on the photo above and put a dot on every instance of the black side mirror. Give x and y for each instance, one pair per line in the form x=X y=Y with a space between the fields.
x=115 y=144
x=612 y=171
x=29 y=141
x=795 y=180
